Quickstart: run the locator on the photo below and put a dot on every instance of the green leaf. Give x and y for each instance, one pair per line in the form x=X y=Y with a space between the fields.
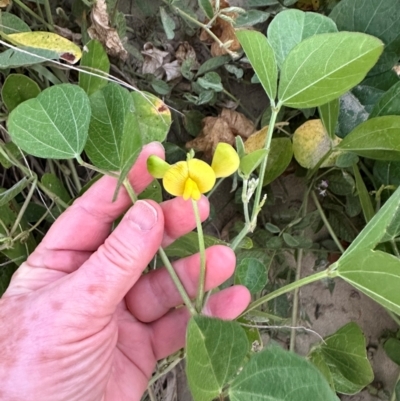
x=94 y=61
x=153 y=192
x=365 y=199
x=11 y=149
x=262 y=58
x=340 y=182
x=206 y=6
x=341 y=226
x=280 y=156
x=211 y=80
x=12 y=192
x=215 y=350
x=53 y=125
x=261 y=3
x=387 y=173
x=329 y=114
x=353 y=206
x=290 y=27
x=379 y=19
x=109 y=107
x=13 y=58
x=168 y=23
x=17 y=88
x=344 y=354
x=51 y=182
x=397 y=391
x=212 y=64
x=10 y=23
x=375 y=273
x=251 y=17
x=324 y=67
x=148 y=120
x=345 y=160
x=276 y=375
x=388 y=104
x=251 y=273
x=376 y=138
x=160 y=86
x=368 y=96
x=250 y=162
x=383 y=81
x=392 y=349
x=189 y=244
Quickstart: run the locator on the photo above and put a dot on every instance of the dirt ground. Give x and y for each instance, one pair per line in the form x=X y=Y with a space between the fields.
x=326 y=311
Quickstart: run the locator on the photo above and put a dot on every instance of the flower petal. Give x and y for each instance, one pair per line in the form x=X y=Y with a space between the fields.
x=174 y=179
x=157 y=167
x=225 y=161
x=202 y=174
x=191 y=190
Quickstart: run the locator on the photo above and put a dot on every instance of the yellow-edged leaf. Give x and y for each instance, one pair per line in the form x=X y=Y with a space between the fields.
x=67 y=50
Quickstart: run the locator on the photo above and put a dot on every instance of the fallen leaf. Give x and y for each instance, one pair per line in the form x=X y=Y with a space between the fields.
x=102 y=31
x=186 y=52
x=4 y=3
x=153 y=60
x=172 y=70
x=215 y=130
x=238 y=123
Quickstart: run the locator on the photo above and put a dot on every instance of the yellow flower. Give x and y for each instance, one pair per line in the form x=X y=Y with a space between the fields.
x=193 y=177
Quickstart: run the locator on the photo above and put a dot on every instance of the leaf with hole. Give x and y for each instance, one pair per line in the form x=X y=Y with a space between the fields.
x=53 y=125
x=262 y=58
x=285 y=374
x=17 y=88
x=324 y=67
x=290 y=27
x=344 y=355
x=376 y=138
x=95 y=66
x=215 y=350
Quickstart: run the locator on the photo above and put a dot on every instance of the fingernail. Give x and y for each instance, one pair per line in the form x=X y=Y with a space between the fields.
x=143 y=215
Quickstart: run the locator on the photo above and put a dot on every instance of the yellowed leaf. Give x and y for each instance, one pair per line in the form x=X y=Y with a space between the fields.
x=256 y=141
x=4 y=3
x=67 y=50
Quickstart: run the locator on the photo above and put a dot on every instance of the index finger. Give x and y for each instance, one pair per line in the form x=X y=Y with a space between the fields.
x=85 y=225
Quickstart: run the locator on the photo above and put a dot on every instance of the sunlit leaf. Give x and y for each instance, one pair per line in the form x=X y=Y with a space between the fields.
x=324 y=67
x=345 y=356
x=54 y=124
x=215 y=350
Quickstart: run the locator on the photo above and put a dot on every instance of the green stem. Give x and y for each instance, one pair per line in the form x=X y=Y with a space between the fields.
x=34 y=15
x=245 y=201
x=94 y=168
x=290 y=287
x=177 y=282
x=74 y=175
x=219 y=182
x=130 y=190
x=238 y=239
x=299 y=263
x=393 y=397
x=326 y=222
x=23 y=207
x=48 y=12
x=202 y=276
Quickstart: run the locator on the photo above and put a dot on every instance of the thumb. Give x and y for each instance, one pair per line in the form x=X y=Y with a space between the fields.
x=105 y=278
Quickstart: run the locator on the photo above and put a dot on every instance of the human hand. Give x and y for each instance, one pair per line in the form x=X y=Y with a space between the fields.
x=79 y=321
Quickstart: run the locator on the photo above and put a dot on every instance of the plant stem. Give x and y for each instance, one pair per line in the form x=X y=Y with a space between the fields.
x=202 y=276
x=326 y=222
x=207 y=29
x=34 y=15
x=130 y=190
x=74 y=175
x=177 y=281
x=290 y=287
x=219 y=182
x=299 y=263
x=48 y=12
x=393 y=397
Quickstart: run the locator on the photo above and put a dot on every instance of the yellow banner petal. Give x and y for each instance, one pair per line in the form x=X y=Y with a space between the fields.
x=225 y=161
x=202 y=174
x=67 y=50
x=174 y=179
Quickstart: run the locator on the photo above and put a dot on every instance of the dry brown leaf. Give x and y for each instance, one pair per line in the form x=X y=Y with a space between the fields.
x=4 y=3
x=186 y=52
x=215 y=130
x=172 y=70
x=154 y=59
x=101 y=30
x=238 y=123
